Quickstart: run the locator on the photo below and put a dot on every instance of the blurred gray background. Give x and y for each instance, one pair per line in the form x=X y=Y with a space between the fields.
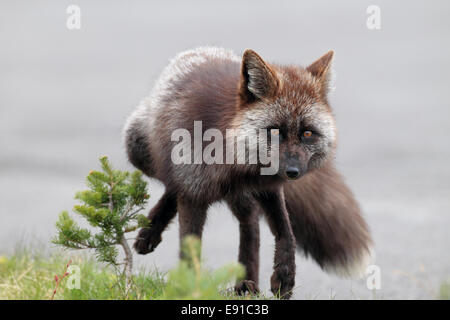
x=64 y=96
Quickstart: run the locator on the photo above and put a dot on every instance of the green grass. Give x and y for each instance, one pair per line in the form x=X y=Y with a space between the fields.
x=30 y=274
x=444 y=291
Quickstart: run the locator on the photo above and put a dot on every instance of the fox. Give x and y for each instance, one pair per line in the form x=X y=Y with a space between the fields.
x=307 y=204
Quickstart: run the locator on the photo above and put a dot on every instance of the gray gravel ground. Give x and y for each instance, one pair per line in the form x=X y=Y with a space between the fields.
x=64 y=96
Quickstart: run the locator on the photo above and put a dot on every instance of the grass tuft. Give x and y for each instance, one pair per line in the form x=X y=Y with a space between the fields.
x=444 y=290
x=35 y=274
x=28 y=275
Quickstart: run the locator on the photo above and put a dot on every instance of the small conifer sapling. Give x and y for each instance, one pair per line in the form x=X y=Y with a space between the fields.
x=111 y=206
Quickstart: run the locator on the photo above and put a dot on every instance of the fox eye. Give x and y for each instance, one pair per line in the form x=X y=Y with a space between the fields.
x=308 y=136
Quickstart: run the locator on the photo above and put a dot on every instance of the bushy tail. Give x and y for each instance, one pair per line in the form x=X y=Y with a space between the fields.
x=327 y=222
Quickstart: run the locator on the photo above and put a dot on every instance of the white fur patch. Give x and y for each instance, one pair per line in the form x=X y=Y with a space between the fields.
x=355 y=268
x=178 y=67
x=185 y=62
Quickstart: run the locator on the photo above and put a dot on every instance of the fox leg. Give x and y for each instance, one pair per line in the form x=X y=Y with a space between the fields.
x=283 y=277
x=242 y=208
x=160 y=216
x=191 y=219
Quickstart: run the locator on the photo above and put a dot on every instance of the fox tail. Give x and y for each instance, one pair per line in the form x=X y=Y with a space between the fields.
x=327 y=223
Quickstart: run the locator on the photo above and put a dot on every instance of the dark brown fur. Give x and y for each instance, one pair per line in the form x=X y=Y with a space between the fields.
x=317 y=211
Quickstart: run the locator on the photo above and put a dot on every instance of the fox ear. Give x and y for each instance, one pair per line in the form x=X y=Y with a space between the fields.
x=258 y=80
x=321 y=69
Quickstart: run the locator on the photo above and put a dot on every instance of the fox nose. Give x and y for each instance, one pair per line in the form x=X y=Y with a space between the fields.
x=292 y=172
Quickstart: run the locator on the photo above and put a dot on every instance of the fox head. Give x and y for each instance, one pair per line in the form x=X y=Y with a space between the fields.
x=293 y=100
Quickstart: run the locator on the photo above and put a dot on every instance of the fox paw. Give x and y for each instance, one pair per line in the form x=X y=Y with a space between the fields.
x=146 y=241
x=282 y=281
x=244 y=286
